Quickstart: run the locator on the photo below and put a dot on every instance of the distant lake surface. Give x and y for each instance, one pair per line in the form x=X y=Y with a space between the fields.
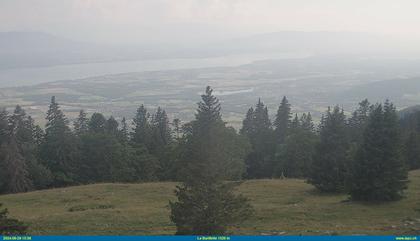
x=31 y=76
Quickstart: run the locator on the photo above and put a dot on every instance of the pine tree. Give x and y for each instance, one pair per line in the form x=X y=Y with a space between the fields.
x=4 y=126
x=378 y=173
x=56 y=120
x=296 y=154
x=161 y=132
x=176 y=123
x=141 y=134
x=20 y=165
x=28 y=137
x=9 y=226
x=248 y=124
x=124 y=133
x=412 y=151
x=97 y=123
x=16 y=170
x=59 y=148
x=111 y=126
x=306 y=122
x=283 y=120
x=81 y=123
x=358 y=121
x=295 y=124
x=257 y=128
x=145 y=166
x=208 y=209
x=206 y=205
x=329 y=169
x=103 y=159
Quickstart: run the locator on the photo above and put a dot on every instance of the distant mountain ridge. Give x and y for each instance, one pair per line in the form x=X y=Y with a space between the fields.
x=35 y=49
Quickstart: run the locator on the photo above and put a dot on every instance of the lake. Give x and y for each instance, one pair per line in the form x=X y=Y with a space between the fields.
x=30 y=76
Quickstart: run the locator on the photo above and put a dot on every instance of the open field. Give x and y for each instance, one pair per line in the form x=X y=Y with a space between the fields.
x=281 y=207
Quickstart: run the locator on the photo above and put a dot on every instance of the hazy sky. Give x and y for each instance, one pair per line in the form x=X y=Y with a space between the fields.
x=166 y=20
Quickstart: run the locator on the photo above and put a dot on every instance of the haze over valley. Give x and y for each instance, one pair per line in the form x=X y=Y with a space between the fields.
x=209 y=118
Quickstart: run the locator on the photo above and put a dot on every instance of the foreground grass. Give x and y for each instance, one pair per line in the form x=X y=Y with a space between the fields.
x=281 y=207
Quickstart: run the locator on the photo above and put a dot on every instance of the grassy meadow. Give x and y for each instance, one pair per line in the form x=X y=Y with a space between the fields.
x=282 y=207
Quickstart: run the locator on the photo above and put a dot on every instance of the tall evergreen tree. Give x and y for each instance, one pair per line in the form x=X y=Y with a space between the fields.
x=176 y=123
x=28 y=137
x=15 y=168
x=379 y=174
x=103 y=159
x=111 y=126
x=358 y=121
x=59 y=148
x=20 y=165
x=330 y=167
x=4 y=126
x=248 y=124
x=142 y=132
x=296 y=154
x=257 y=128
x=412 y=151
x=283 y=120
x=124 y=133
x=307 y=122
x=205 y=204
x=97 y=123
x=57 y=123
x=161 y=131
x=81 y=123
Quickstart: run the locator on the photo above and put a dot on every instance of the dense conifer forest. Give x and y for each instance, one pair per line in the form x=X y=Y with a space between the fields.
x=367 y=155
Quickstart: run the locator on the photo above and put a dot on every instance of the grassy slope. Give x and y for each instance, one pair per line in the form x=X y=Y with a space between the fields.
x=282 y=207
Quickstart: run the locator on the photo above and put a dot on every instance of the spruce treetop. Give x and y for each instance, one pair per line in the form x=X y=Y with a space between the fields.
x=208 y=108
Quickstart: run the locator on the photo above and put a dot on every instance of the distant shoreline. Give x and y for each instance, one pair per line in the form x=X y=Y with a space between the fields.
x=15 y=77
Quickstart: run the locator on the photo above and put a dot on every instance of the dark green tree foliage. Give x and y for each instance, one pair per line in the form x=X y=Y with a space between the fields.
x=59 y=149
x=295 y=155
x=208 y=209
x=38 y=134
x=176 y=123
x=81 y=123
x=111 y=126
x=106 y=156
x=142 y=131
x=412 y=151
x=143 y=166
x=283 y=120
x=15 y=169
x=9 y=226
x=124 y=132
x=4 y=137
x=358 y=121
x=19 y=164
x=410 y=132
x=330 y=166
x=306 y=122
x=206 y=205
x=257 y=128
x=161 y=131
x=378 y=173
x=102 y=158
x=4 y=126
x=97 y=123
x=161 y=145
x=28 y=137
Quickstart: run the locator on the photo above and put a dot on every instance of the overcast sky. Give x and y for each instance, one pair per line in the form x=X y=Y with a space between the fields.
x=166 y=20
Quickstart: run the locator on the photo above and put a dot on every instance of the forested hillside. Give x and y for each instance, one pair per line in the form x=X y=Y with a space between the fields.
x=366 y=155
